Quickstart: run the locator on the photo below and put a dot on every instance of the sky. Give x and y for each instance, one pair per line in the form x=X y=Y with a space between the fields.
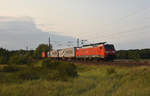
x=125 y=23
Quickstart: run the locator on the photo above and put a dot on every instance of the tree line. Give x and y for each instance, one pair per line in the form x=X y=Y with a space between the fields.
x=22 y=56
x=133 y=54
x=29 y=56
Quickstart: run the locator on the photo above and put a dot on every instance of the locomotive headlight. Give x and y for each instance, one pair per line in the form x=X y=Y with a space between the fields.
x=113 y=51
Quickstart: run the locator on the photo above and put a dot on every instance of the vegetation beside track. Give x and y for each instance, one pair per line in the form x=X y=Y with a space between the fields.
x=94 y=80
x=135 y=54
x=23 y=73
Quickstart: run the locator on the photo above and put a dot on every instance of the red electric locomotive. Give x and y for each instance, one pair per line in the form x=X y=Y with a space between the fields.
x=98 y=50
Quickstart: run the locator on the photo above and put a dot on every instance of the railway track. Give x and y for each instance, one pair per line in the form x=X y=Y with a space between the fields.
x=114 y=63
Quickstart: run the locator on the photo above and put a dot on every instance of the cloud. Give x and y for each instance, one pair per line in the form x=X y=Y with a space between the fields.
x=19 y=32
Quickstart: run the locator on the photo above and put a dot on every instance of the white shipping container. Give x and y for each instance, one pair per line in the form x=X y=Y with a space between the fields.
x=69 y=52
x=61 y=53
x=54 y=53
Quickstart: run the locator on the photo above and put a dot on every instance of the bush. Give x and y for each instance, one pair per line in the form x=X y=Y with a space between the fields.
x=4 y=56
x=10 y=68
x=17 y=60
x=21 y=59
x=110 y=70
x=53 y=75
x=28 y=74
x=67 y=69
x=3 y=60
x=28 y=57
x=134 y=55
x=47 y=63
x=59 y=70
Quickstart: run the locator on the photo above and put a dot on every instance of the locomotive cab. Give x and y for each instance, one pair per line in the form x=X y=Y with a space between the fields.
x=109 y=51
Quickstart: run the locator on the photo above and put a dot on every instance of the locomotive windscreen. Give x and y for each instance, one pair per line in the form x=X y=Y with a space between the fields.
x=108 y=47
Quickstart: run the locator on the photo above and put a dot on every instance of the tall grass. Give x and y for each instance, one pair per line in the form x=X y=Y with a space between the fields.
x=92 y=81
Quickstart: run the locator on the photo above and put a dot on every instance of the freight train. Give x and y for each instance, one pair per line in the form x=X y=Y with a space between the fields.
x=97 y=51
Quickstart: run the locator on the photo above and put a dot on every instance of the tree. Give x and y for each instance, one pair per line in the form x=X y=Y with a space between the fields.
x=42 y=48
x=3 y=60
x=4 y=56
x=16 y=59
x=122 y=54
x=134 y=54
x=21 y=57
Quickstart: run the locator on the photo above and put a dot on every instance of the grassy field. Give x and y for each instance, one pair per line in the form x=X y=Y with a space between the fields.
x=93 y=80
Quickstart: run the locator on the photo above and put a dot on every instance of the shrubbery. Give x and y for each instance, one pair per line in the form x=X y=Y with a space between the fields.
x=133 y=54
x=67 y=69
x=50 y=70
x=52 y=75
x=59 y=70
x=17 y=60
x=10 y=68
x=4 y=56
x=21 y=59
x=110 y=70
x=18 y=66
x=48 y=63
x=3 y=60
x=28 y=74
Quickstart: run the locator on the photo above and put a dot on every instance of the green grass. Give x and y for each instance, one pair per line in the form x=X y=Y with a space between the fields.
x=92 y=81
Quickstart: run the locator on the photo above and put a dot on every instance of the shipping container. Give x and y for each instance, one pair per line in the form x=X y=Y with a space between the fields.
x=54 y=53
x=61 y=53
x=44 y=54
x=67 y=52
